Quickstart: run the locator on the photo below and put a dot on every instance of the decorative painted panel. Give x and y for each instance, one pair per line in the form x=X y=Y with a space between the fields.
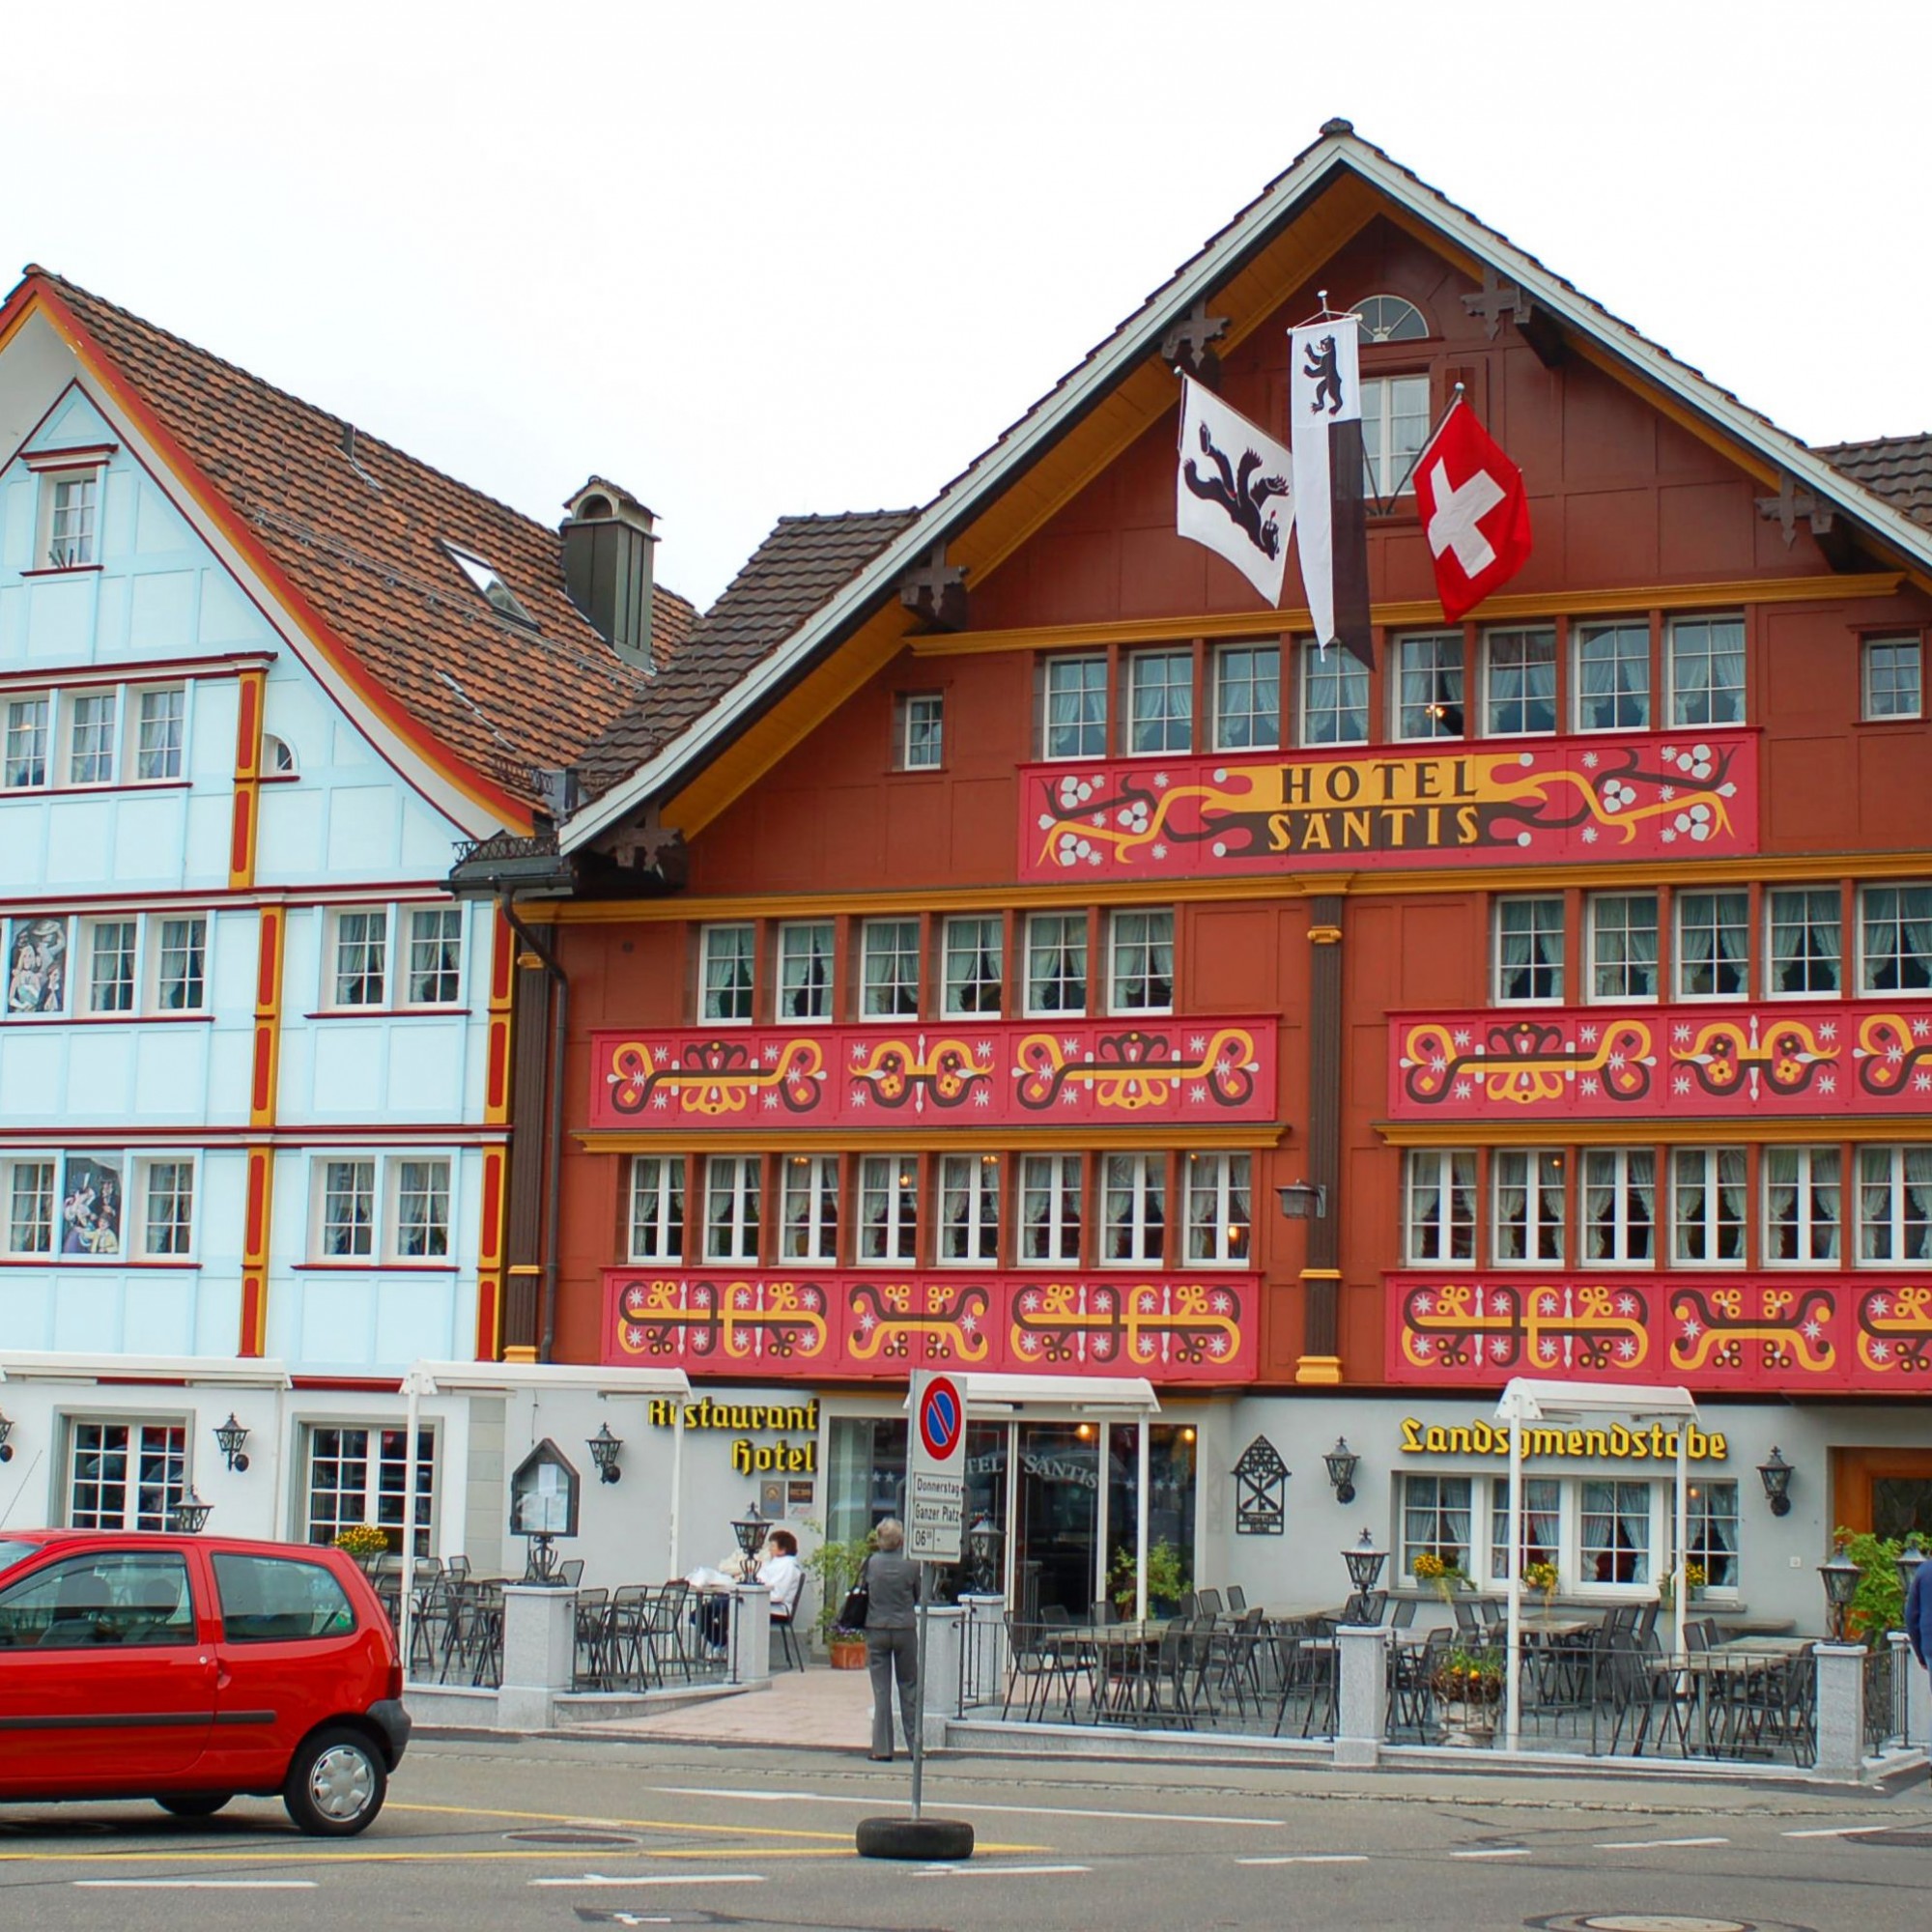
x=1020 y=1073
x=1611 y=795
x=1601 y=1062
x=1791 y=1333
x=1181 y=1329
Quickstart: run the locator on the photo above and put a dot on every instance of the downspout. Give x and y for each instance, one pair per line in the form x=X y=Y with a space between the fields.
x=560 y=1023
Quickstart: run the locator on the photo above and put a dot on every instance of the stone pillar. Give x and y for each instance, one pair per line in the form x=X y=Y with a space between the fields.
x=945 y=1662
x=1361 y=1695
x=539 y=1654
x=1842 y=1709
x=750 y=1660
x=1903 y=1722
x=986 y=1641
x=1918 y=1700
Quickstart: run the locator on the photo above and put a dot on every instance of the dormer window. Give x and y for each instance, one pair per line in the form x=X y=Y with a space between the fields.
x=70 y=536
x=489 y=580
x=1391 y=319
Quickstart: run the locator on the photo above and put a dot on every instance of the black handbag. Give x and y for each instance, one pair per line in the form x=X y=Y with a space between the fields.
x=852 y=1613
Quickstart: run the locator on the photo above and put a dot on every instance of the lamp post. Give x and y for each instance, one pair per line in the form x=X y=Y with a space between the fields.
x=604 y=1448
x=229 y=1437
x=1365 y=1567
x=6 y=1447
x=1909 y=1560
x=1775 y=1473
x=982 y=1544
x=750 y=1529
x=1841 y=1584
x=1343 y=1463
x=189 y=1515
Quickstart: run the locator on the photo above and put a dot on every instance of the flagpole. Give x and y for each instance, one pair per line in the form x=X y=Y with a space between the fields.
x=1415 y=461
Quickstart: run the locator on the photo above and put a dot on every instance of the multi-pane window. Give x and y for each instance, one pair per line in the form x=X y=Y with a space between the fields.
x=1707 y=1205
x=1395 y=425
x=362 y=950
x=656 y=1207
x=168 y=1216
x=1439 y=1187
x=89 y=751
x=125 y=1475
x=361 y=1475
x=808 y=1207
x=29 y=1207
x=805 y=970
x=422 y=1209
x=1806 y=940
x=1802 y=1208
x=1074 y=719
x=1529 y=949
x=1528 y=1188
x=1429 y=686
x=1051 y=1199
x=1619 y=1205
x=1160 y=701
x=731 y=1185
x=1712 y=945
x=73 y=509
x=973 y=980
x=1140 y=946
x=1435 y=1519
x=348 y=1210
x=728 y=953
x=1615 y=1543
x=435 y=976
x=1056 y=963
x=1541 y=1525
x=1520 y=682
x=1219 y=1207
x=889 y=1207
x=889 y=967
x=26 y=748
x=1134 y=1208
x=969 y=1208
x=1711 y=1531
x=1247 y=698
x=1334 y=697
x=1895 y=1204
x=1623 y=945
x=1895 y=939
x=1892 y=679
x=919 y=740
x=111 y=945
x=157 y=732
x=1707 y=670
x=181 y=973
x=1612 y=677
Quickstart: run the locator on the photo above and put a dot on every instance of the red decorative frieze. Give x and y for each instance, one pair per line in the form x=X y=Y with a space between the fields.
x=1191 y=1328
x=1786 y=1333
x=1018 y=1074
x=1603 y=1062
x=1611 y=795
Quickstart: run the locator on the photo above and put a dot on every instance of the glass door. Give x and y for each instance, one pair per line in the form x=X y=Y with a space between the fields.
x=1056 y=1518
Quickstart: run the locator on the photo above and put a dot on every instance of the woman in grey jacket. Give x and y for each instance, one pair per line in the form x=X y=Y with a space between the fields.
x=892 y=1638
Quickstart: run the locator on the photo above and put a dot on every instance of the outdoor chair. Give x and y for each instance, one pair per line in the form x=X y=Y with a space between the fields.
x=1405 y=1614
x=1208 y=1603
x=570 y=1572
x=785 y=1627
x=1237 y=1600
x=1467 y=1620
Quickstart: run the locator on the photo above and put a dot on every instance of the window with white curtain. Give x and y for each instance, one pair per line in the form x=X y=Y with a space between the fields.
x=1623 y=945
x=1891 y=680
x=1895 y=1204
x=1334 y=696
x=1707 y=1206
x=808 y=1207
x=656 y=1207
x=1518 y=682
x=889 y=1207
x=1056 y=964
x=1435 y=1518
x=1619 y=1206
x=1542 y=1526
x=1802 y=1209
x=1134 y=1209
x=969 y=1208
x=1712 y=945
x=1802 y=929
x=1140 y=956
x=731 y=1198
x=1429 y=686
x=1895 y=939
x=1614 y=1544
x=805 y=970
x=1160 y=701
x=973 y=979
x=1395 y=425
x=1529 y=950
x=1527 y=1219
x=1711 y=1531
x=889 y=968
x=1247 y=697
x=725 y=973
x=1051 y=1186
x=1613 y=681
x=1707 y=670
x=1438 y=1205
x=1217 y=1207
x=1074 y=707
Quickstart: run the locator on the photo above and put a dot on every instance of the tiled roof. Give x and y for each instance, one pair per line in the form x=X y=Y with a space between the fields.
x=357 y=527
x=1896 y=467
x=789 y=575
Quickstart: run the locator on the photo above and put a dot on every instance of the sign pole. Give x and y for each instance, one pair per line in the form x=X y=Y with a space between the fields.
x=918 y=1738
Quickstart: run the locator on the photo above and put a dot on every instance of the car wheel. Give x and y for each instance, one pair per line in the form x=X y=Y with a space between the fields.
x=336 y=1784
x=194 y=1804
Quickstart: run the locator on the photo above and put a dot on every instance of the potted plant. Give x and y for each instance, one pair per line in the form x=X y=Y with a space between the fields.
x=1166 y=1579
x=364 y=1542
x=1445 y=1572
x=1469 y=1687
x=1542 y=1577
x=837 y=1566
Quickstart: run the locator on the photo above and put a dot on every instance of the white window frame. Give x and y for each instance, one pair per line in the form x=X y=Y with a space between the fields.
x=1157 y=712
x=1071 y=934
x=1822 y=973
x=655 y=1222
x=1443 y=715
x=194 y=950
x=28 y=748
x=418 y=1236
x=1438 y=1207
x=381 y=1200
x=799 y=954
x=1886 y=697
x=1545 y=942
x=919 y=730
x=174 y=1238
x=82 y=713
x=1884 y=1184
x=1611 y=974
x=1626 y=1173
x=158 y=743
x=1630 y=645
x=154 y=1471
x=1696 y=1207
x=82 y=547
x=1388 y=403
x=1817 y=1223
x=1722 y=705
x=1522 y=637
x=1540 y=1173
x=360 y=1223
x=1242 y=674
x=967 y=943
x=1069 y=730
x=100 y=940
x=888 y=1232
x=1914 y=970
x=450 y=919
x=728 y=974
x=809 y=1209
x=733 y=1208
x=1333 y=694
x=1220 y=1209
x=967 y=1225
x=381 y=1451
x=889 y=969
x=1133 y=1210
x=44 y=1192
x=1057 y=1185
x=1682 y=966
x=371 y=957
x=1135 y=988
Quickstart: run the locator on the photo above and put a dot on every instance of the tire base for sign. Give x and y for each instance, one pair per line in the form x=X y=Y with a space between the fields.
x=930 y=1840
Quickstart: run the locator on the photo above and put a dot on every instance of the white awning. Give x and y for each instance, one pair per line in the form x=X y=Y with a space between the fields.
x=502 y=1378
x=1086 y=1395
x=1528 y=1400
x=231 y=1370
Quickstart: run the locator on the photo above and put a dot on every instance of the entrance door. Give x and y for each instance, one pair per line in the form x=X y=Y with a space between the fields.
x=1058 y=1518
x=1886 y=1491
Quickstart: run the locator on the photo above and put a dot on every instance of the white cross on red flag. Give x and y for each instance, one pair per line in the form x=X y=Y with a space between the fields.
x=1475 y=512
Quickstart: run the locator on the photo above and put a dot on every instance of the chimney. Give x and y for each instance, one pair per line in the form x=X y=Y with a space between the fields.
x=608 y=540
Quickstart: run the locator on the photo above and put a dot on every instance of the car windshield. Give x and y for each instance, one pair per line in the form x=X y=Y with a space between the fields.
x=11 y=1552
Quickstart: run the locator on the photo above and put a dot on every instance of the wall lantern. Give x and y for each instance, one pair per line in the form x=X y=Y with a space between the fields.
x=1909 y=1560
x=1774 y=1472
x=6 y=1447
x=604 y=1448
x=984 y=1542
x=189 y=1516
x=1303 y=1201
x=229 y=1437
x=1343 y=1462
x=750 y=1530
x=1841 y=1584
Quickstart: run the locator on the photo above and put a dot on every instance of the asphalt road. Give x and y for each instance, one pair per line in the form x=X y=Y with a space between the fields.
x=500 y=1837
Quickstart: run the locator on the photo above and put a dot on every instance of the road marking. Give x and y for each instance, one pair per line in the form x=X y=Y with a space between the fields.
x=1311 y=1858
x=1495 y=1852
x=625 y=1824
x=1653 y=1844
x=1839 y=1832
x=1014 y=1810
x=195 y=1885
x=686 y=1878
x=996 y=1872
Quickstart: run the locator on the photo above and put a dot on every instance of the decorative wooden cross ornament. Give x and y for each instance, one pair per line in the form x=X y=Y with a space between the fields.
x=1793 y=500
x=935 y=591
x=1185 y=344
x=1499 y=301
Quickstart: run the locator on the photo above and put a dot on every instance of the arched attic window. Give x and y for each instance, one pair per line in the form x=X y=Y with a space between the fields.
x=278 y=760
x=1395 y=408
x=1391 y=319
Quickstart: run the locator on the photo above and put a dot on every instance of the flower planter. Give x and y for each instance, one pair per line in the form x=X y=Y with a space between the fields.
x=849 y=1653
x=1469 y=1725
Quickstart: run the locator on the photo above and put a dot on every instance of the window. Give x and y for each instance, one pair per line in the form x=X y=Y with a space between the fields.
x=1435 y=1518
x=158 y=740
x=808 y=1207
x=1892 y=679
x=1619 y=1205
x=360 y=953
x=1801 y=1204
x=278 y=758
x=1804 y=938
x=1707 y=670
x=1711 y=1531
x=969 y=1208
x=486 y=579
x=1895 y=1204
x=91 y=738
x=656 y=1207
x=1623 y=945
x=435 y=955
x=348 y=1210
x=181 y=978
x=1391 y=319
x=36 y=968
x=1247 y=698
x=1707 y=1205
x=70 y=510
x=113 y=1597
x=1160 y=701
x=1895 y=939
x=725 y=970
x=1395 y=425
x=889 y=1207
x=1219 y=1207
x=414 y=1191
x=1140 y=946
x=1612 y=677
x=1520 y=682
x=111 y=945
x=1056 y=950
x=1528 y=1192
x=26 y=752
x=274 y=1599
x=361 y=1475
x=973 y=949
x=1712 y=945
x=804 y=971
x=1134 y=1209
x=1529 y=950
x=1334 y=697
x=1541 y=1525
x=125 y=1475
x=1615 y=1543
x=919 y=728
x=422 y=1209
x=1050 y=1206
x=889 y=967
x=1439 y=1205
x=166 y=1190
x=731 y=1183
x=1429 y=686
x=30 y=1206
x=1074 y=719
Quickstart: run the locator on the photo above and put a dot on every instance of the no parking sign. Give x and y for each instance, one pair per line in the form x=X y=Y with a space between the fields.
x=937 y=1470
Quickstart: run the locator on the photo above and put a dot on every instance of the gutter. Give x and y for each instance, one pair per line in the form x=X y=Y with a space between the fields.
x=552 y=1148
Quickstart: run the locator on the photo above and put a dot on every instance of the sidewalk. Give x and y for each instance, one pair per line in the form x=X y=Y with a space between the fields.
x=819 y=1707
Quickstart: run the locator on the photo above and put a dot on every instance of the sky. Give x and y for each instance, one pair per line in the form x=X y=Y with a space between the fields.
x=751 y=261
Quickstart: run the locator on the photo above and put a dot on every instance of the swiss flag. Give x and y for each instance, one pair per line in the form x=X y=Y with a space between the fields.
x=1475 y=511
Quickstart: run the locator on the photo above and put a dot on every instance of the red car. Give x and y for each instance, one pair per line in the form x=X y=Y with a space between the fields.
x=190 y=1668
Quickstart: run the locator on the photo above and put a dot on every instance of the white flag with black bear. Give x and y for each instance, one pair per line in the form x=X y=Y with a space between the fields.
x=1231 y=493
x=1324 y=414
